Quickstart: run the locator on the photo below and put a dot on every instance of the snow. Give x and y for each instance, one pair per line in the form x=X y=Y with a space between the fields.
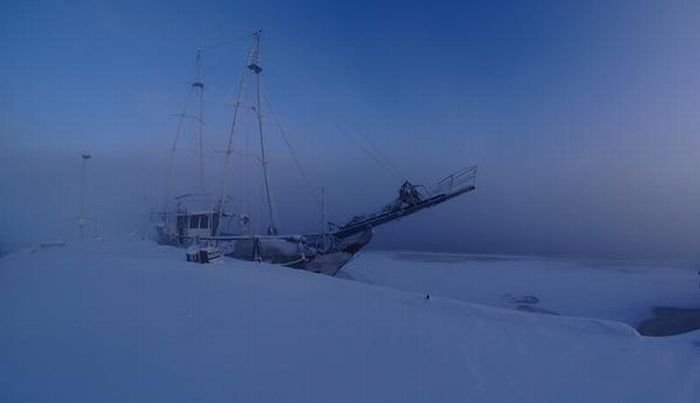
x=131 y=321
x=624 y=291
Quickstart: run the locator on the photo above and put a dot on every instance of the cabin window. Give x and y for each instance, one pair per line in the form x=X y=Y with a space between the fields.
x=194 y=221
x=204 y=221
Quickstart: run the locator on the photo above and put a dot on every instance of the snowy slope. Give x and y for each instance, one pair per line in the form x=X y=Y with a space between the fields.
x=615 y=290
x=133 y=322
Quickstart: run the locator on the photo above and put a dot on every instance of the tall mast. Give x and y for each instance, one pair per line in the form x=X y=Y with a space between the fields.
x=199 y=86
x=229 y=146
x=254 y=66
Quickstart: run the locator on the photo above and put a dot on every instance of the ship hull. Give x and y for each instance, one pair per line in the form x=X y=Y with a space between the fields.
x=298 y=252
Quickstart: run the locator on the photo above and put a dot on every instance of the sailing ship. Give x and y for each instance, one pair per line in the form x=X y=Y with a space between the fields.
x=199 y=220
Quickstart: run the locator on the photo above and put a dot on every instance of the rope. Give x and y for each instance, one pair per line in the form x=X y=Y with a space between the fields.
x=298 y=165
x=383 y=157
x=369 y=153
x=171 y=160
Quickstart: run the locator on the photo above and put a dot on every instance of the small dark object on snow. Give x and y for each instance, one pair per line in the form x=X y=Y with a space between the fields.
x=427 y=296
x=203 y=255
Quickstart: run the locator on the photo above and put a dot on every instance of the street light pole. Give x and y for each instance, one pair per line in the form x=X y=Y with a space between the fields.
x=83 y=180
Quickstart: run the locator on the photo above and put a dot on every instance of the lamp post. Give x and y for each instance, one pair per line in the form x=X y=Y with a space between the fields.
x=83 y=180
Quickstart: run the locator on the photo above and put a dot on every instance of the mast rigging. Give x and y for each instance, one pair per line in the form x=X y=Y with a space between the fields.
x=254 y=66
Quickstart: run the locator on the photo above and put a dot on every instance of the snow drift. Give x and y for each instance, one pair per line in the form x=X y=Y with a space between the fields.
x=118 y=321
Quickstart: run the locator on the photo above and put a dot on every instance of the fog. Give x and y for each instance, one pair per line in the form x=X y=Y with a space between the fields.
x=585 y=130
x=610 y=205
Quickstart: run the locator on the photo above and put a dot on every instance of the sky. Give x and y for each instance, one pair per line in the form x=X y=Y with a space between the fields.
x=582 y=116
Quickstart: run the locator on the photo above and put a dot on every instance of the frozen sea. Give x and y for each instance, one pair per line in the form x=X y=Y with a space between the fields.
x=627 y=291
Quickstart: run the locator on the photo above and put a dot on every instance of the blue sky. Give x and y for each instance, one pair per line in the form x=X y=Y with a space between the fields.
x=583 y=116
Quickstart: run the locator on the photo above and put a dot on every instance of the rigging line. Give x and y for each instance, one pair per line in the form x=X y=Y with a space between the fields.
x=254 y=66
x=191 y=117
x=247 y=173
x=368 y=152
x=380 y=155
x=194 y=86
x=229 y=147
x=364 y=149
x=226 y=42
x=219 y=66
x=297 y=163
x=379 y=152
x=171 y=162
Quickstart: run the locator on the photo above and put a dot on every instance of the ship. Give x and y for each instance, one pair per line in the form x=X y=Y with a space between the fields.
x=207 y=222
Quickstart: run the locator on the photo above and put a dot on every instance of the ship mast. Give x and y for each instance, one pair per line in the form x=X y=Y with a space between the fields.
x=254 y=66
x=229 y=146
x=197 y=90
x=199 y=85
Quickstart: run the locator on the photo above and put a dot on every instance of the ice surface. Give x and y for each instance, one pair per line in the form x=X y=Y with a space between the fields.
x=616 y=290
x=117 y=321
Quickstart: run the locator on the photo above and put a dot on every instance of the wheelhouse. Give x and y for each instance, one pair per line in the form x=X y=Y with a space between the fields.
x=199 y=224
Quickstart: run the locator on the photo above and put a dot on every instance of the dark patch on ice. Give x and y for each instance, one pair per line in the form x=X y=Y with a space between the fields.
x=527 y=303
x=669 y=321
x=354 y=277
x=528 y=299
x=345 y=275
x=534 y=309
x=440 y=258
x=521 y=299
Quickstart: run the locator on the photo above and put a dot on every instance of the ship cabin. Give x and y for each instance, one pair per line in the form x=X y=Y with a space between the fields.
x=192 y=225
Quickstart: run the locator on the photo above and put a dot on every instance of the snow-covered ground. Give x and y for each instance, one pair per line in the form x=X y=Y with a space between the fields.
x=624 y=291
x=131 y=321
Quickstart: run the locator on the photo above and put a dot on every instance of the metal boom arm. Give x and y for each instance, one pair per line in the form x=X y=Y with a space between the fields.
x=412 y=200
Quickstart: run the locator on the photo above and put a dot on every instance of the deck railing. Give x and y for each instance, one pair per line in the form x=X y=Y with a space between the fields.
x=455 y=181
